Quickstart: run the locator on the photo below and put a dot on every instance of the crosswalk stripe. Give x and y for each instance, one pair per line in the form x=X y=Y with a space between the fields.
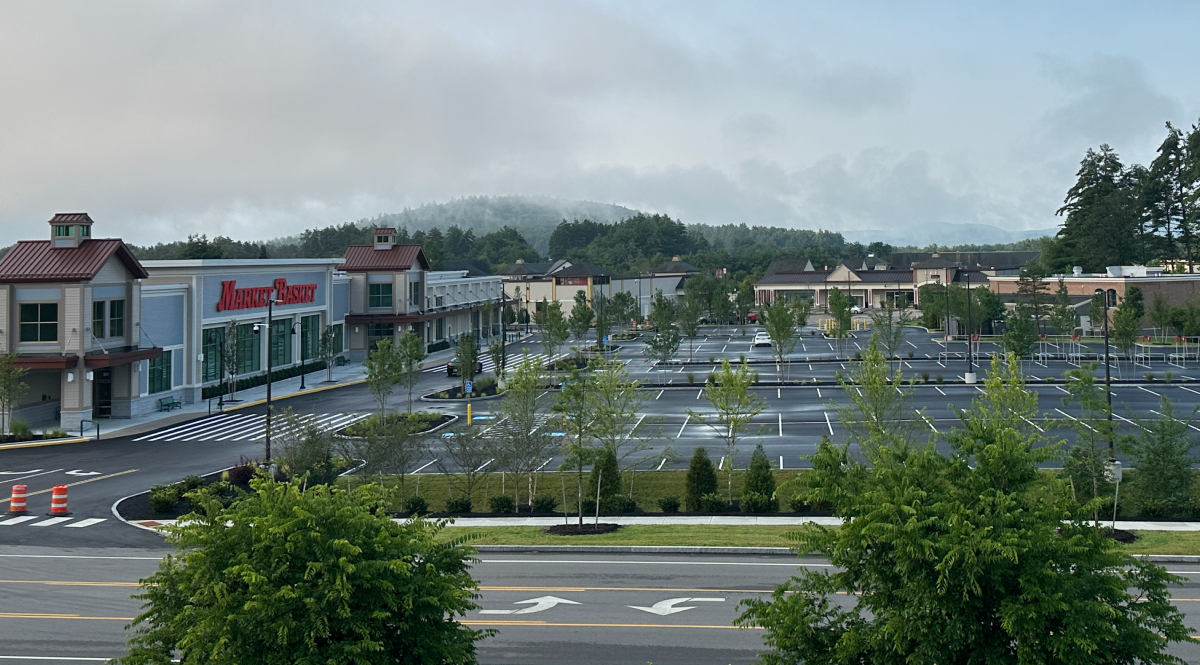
x=251 y=427
x=88 y=522
x=214 y=427
x=183 y=428
x=52 y=521
x=18 y=520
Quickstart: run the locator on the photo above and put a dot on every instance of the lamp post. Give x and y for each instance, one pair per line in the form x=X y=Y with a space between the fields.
x=969 y=377
x=1114 y=467
x=302 y=349
x=267 y=424
x=503 y=329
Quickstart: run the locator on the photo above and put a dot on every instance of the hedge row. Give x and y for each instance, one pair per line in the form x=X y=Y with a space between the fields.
x=261 y=379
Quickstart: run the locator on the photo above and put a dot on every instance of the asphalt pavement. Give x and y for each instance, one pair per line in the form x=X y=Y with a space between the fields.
x=72 y=605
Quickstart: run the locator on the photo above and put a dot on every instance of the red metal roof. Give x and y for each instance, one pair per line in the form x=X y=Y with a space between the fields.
x=365 y=258
x=38 y=261
x=71 y=218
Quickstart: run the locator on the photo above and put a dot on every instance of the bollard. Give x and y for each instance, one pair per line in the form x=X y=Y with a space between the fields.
x=58 y=501
x=16 y=506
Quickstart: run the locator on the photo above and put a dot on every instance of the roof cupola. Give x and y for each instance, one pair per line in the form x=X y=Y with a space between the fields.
x=70 y=229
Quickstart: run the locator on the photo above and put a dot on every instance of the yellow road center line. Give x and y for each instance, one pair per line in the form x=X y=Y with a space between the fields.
x=81 y=482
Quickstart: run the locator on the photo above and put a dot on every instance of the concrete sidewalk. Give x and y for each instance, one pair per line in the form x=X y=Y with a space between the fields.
x=746 y=520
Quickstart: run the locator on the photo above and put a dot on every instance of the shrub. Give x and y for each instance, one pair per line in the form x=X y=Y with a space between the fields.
x=588 y=507
x=701 y=479
x=691 y=379
x=502 y=504
x=798 y=504
x=544 y=503
x=190 y=483
x=56 y=433
x=416 y=505
x=261 y=379
x=924 y=377
x=1167 y=376
x=753 y=502
x=438 y=346
x=606 y=470
x=669 y=504
x=760 y=483
x=20 y=429
x=910 y=354
x=712 y=359
x=858 y=355
x=1150 y=377
x=1049 y=379
x=241 y=474
x=222 y=491
x=164 y=498
x=458 y=505
x=482 y=383
x=713 y=502
x=939 y=378
x=618 y=504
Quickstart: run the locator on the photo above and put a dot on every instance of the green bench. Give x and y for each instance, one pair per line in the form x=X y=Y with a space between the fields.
x=340 y=361
x=168 y=403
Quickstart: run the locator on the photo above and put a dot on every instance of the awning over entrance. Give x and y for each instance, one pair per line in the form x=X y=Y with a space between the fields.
x=122 y=357
x=47 y=362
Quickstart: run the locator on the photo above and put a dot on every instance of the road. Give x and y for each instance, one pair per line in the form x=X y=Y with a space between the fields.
x=72 y=605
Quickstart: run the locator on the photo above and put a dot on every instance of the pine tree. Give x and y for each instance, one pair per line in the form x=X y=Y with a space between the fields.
x=701 y=479
x=605 y=472
x=760 y=480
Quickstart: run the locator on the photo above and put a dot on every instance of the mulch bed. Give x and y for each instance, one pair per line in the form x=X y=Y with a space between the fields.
x=585 y=530
x=1123 y=536
x=457 y=393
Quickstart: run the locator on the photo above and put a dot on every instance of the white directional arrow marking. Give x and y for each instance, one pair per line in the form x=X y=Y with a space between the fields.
x=664 y=607
x=541 y=604
x=17 y=473
x=77 y=472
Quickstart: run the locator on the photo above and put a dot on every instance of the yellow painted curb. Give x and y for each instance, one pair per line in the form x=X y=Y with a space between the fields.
x=39 y=444
x=291 y=395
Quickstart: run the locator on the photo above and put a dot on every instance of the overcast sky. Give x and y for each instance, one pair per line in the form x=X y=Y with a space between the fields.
x=256 y=120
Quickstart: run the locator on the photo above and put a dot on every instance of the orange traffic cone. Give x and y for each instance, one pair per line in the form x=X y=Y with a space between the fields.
x=58 y=501
x=16 y=506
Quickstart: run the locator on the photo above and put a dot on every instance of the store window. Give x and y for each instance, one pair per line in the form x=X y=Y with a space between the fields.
x=310 y=336
x=160 y=373
x=380 y=295
x=249 y=355
x=414 y=294
x=39 y=322
x=339 y=338
x=116 y=318
x=440 y=329
x=212 y=341
x=281 y=342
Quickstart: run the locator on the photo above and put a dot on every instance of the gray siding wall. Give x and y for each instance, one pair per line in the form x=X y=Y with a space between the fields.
x=163 y=322
x=340 y=306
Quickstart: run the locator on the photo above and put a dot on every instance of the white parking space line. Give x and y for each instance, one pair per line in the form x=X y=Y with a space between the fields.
x=84 y=523
x=781 y=424
x=828 y=424
x=660 y=394
x=928 y=421
x=1176 y=419
x=1035 y=426
x=685 y=423
x=700 y=393
x=1189 y=390
x=1150 y=391
x=1124 y=419
x=1073 y=418
x=939 y=390
x=1061 y=389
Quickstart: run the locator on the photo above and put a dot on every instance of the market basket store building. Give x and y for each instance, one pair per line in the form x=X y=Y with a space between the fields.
x=103 y=335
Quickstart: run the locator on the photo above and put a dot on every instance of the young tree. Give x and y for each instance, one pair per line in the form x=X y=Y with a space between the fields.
x=580 y=321
x=1019 y=332
x=801 y=308
x=605 y=480
x=663 y=312
x=576 y=405
x=604 y=317
x=327 y=350
x=734 y=404
x=616 y=401
x=888 y=324
x=622 y=307
x=12 y=389
x=552 y=326
x=1160 y=311
x=486 y=314
x=964 y=557
x=1126 y=326
x=663 y=345
x=743 y=300
x=466 y=349
x=760 y=482
x=721 y=306
x=1161 y=451
x=229 y=356
x=383 y=372
x=1062 y=315
x=1086 y=460
x=496 y=351
x=410 y=353
x=1031 y=291
x=839 y=309
x=701 y=479
x=779 y=320
x=522 y=440
x=878 y=414
x=689 y=314
x=324 y=576
x=464 y=450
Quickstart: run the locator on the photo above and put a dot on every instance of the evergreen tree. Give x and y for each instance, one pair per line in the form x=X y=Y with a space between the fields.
x=760 y=480
x=1162 y=455
x=701 y=479
x=1062 y=315
x=607 y=473
x=1103 y=216
x=1172 y=192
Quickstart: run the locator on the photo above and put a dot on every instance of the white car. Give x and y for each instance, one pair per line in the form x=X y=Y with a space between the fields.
x=856 y=310
x=762 y=339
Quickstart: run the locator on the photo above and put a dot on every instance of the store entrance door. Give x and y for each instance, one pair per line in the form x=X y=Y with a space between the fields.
x=102 y=393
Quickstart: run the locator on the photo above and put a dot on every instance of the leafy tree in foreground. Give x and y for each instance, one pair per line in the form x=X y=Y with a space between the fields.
x=321 y=576
x=964 y=557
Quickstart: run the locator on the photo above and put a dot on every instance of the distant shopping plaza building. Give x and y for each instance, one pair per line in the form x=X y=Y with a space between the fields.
x=104 y=335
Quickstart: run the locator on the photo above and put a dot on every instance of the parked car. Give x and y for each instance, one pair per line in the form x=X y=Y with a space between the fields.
x=761 y=339
x=856 y=310
x=452 y=367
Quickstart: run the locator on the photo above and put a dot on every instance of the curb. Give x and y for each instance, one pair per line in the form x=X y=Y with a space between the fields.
x=1168 y=558
x=309 y=391
x=639 y=549
x=44 y=442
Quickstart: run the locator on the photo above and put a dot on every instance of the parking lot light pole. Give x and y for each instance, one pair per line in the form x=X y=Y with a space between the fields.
x=1107 y=379
x=969 y=377
x=267 y=423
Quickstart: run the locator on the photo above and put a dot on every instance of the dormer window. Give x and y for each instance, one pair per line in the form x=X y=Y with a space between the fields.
x=85 y=231
x=383 y=239
x=62 y=231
